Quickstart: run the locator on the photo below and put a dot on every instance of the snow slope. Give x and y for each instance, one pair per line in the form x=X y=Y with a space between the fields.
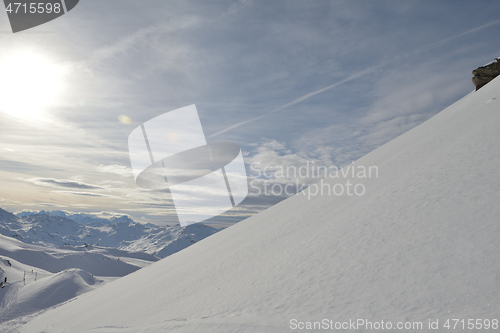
x=421 y=244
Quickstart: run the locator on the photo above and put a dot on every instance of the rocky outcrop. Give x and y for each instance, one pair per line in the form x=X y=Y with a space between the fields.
x=486 y=73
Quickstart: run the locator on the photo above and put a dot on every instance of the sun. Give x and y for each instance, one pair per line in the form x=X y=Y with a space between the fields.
x=29 y=84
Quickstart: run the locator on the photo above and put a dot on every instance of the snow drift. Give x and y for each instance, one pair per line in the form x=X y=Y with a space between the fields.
x=421 y=244
x=44 y=293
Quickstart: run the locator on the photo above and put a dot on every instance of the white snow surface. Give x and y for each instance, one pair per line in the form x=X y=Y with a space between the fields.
x=422 y=243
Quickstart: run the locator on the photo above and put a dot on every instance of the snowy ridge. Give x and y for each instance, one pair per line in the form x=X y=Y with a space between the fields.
x=81 y=218
x=421 y=244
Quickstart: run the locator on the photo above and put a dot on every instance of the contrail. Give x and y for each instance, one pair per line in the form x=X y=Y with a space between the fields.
x=352 y=77
x=464 y=33
x=302 y=98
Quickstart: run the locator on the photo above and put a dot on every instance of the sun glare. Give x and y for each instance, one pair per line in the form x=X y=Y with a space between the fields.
x=29 y=85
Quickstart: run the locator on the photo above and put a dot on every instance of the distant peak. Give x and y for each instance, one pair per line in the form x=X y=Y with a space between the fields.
x=121 y=219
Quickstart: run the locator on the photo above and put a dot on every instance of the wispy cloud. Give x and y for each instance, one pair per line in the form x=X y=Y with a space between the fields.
x=8 y=201
x=23 y=167
x=86 y=194
x=119 y=170
x=62 y=183
x=140 y=36
x=46 y=204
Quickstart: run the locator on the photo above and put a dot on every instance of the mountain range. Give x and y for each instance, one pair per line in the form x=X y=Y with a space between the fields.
x=51 y=257
x=55 y=229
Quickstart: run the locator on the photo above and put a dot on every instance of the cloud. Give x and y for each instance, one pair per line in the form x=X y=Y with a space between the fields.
x=120 y=170
x=415 y=97
x=44 y=204
x=140 y=36
x=106 y=214
x=238 y=6
x=86 y=194
x=62 y=183
x=270 y=155
x=9 y=201
x=273 y=160
x=23 y=167
x=400 y=98
x=275 y=173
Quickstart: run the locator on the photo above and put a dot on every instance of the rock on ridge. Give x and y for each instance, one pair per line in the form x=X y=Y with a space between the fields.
x=486 y=73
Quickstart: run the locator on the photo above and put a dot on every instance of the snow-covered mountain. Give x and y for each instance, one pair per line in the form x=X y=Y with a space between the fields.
x=55 y=229
x=420 y=245
x=50 y=257
x=33 y=278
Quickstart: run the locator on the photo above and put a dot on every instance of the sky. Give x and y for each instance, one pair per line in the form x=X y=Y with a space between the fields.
x=293 y=83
